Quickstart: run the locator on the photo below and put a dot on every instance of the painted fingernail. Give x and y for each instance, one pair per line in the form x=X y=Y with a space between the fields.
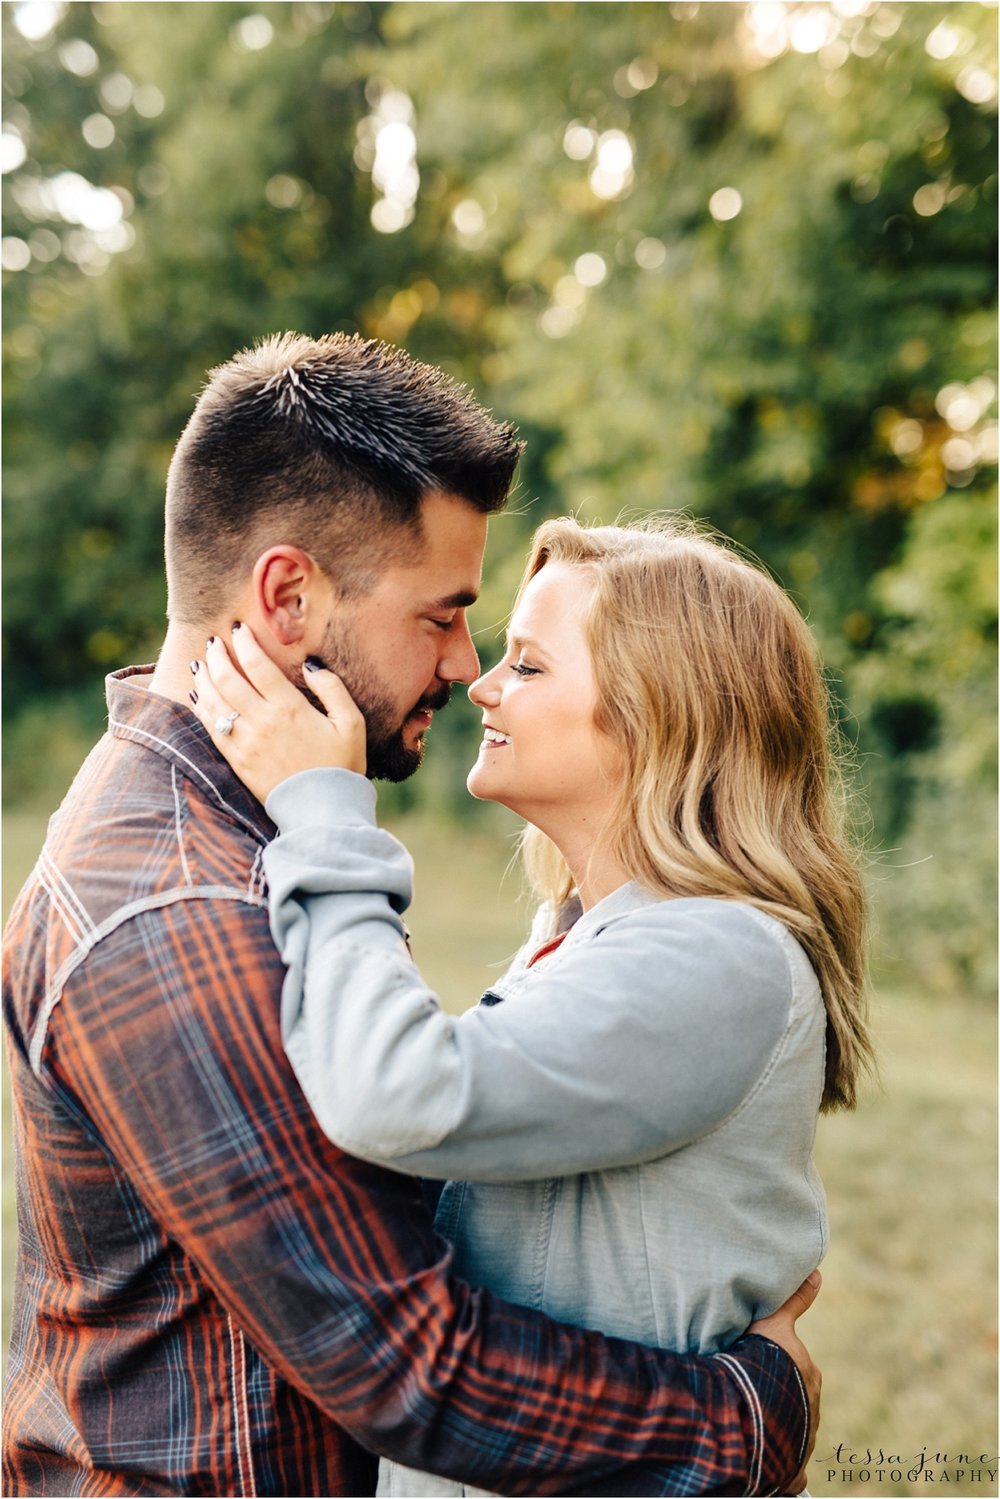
x=193 y=696
x=235 y=625
x=211 y=640
x=194 y=667
x=313 y=663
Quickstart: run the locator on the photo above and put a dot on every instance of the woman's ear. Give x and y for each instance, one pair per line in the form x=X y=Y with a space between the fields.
x=286 y=582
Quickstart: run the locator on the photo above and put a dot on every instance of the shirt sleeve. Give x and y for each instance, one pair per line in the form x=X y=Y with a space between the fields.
x=620 y=1049
x=166 y=1041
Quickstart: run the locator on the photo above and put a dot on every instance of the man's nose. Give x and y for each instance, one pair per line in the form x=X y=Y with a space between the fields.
x=459 y=662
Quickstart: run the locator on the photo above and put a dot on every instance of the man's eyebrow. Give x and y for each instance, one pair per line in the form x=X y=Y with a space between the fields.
x=462 y=600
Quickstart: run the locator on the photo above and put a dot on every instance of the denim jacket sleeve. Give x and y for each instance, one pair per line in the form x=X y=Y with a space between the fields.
x=635 y=1043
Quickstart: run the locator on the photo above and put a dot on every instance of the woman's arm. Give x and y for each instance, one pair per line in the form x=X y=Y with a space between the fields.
x=626 y=1046
x=631 y=1045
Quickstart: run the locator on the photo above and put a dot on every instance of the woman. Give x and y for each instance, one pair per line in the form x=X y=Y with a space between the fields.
x=626 y=1120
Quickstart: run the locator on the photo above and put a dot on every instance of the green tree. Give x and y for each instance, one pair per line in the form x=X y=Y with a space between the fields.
x=730 y=258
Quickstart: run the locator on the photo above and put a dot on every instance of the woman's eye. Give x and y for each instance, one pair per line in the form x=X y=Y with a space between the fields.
x=524 y=671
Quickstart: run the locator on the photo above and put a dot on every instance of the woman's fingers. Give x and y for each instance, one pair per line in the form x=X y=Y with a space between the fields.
x=225 y=677
x=254 y=742
x=330 y=690
x=211 y=708
x=264 y=726
x=270 y=682
x=342 y=713
x=260 y=671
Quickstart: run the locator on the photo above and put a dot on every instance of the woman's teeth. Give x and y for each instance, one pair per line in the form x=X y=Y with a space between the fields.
x=493 y=736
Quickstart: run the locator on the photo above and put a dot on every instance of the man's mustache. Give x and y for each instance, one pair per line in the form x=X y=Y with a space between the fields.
x=432 y=701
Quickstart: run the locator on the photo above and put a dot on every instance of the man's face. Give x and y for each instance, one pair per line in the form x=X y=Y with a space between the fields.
x=399 y=648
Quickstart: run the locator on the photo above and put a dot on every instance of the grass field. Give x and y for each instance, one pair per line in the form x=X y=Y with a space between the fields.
x=905 y=1326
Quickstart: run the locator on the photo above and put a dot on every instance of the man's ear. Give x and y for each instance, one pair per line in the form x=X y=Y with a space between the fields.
x=286 y=583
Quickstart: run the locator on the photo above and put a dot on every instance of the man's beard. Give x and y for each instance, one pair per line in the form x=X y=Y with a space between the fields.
x=389 y=759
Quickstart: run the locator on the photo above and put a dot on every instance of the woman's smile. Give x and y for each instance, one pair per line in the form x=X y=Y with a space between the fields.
x=494 y=738
x=560 y=769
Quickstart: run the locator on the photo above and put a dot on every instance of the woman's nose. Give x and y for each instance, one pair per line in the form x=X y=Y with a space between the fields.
x=485 y=690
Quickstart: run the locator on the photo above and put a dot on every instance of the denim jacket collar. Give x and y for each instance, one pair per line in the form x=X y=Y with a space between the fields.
x=621 y=902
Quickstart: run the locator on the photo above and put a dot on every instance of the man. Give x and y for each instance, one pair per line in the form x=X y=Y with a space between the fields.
x=211 y=1298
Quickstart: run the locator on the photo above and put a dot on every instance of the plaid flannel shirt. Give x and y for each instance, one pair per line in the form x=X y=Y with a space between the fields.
x=210 y=1297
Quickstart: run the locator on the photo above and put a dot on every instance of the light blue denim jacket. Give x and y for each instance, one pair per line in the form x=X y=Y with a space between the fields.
x=627 y=1125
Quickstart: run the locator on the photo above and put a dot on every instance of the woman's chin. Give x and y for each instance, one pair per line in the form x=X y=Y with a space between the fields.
x=478 y=784
x=474 y=782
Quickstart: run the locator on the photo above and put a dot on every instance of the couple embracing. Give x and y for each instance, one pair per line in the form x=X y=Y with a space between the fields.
x=278 y=1214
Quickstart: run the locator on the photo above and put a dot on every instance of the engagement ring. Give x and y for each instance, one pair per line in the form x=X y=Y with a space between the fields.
x=224 y=725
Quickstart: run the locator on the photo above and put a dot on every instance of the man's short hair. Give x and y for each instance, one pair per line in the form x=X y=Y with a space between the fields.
x=329 y=444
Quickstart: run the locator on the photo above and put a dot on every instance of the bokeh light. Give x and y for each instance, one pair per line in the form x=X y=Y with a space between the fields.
x=650 y=253
x=148 y=101
x=613 y=174
x=930 y=199
x=469 y=218
x=116 y=93
x=98 y=131
x=282 y=191
x=590 y=269
x=387 y=148
x=907 y=437
x=34 y=19
x=976 y=85
x=14 y=253
x=78 y=57
x=98 y=215
x=642 y=73
x=944 y=41
x=13 y=151
x=725 y=204
x=557 y=321
x=252 y=33
x=811 y=30
x=963 y=405
x=579 y=141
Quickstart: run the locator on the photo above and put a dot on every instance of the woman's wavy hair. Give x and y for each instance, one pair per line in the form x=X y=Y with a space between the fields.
x=708 y=682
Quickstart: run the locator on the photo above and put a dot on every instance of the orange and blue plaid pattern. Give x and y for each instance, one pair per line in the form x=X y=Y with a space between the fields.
x=210 y=1297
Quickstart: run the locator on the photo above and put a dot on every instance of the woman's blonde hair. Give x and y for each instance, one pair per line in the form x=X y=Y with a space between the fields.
x=709 y=684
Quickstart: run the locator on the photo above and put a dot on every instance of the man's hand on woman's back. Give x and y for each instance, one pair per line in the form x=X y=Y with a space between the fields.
x=780 y=1328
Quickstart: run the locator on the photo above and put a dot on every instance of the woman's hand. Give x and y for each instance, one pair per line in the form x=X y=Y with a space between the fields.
x=263 y=725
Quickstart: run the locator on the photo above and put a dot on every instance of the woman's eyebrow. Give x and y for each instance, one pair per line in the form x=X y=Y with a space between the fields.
x=525 y=643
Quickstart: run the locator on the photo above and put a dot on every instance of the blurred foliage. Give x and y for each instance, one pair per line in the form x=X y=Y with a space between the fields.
x=738 y=259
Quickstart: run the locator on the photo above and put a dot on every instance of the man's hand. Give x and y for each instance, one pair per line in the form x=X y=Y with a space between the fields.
x=780 y=1328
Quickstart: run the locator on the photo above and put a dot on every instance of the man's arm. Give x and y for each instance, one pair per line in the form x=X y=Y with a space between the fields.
x=780 y=1328
x=170 y=1044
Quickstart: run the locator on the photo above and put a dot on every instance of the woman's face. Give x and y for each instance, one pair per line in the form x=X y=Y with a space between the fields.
x=542 y=754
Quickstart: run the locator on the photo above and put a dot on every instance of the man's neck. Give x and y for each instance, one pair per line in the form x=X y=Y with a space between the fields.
x=182 y=644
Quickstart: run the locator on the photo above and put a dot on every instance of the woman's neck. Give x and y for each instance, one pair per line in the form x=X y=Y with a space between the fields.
x=595 y=870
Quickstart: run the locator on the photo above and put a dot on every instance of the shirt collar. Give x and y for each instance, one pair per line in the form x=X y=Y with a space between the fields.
x=621 y=902
x=172 y=731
